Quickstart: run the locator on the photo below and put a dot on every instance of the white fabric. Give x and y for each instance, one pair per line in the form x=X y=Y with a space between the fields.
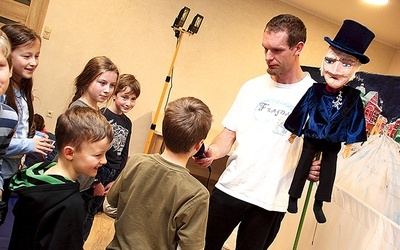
x=365 y=208
x=108 y=209
x=261 y=167
x=372 y=175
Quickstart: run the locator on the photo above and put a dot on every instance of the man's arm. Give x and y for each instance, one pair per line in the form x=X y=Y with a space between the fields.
x=219 y=147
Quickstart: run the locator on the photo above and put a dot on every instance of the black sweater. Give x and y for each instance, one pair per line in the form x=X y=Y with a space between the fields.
x=49 y=213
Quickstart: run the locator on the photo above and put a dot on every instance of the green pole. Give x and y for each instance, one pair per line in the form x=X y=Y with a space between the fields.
x=303 y=214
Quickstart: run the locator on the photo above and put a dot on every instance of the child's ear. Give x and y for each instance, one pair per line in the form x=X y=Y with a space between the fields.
x=68 y=152
x=198 y=145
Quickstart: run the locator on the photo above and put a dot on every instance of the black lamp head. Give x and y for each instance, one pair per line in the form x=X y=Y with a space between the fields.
x=181 y=18
x=195 y=25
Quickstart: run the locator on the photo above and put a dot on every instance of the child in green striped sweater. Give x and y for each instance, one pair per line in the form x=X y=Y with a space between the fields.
x=49 y=213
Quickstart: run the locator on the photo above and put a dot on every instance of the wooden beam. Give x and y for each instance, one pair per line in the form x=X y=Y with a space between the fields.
x=13 y=10
x=37 y=14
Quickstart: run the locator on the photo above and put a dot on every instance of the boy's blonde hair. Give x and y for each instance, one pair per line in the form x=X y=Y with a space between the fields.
x=186 y=122
x=5 y=47
x=79 y=125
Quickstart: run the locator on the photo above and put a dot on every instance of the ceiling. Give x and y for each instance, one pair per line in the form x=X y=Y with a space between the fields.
x=384 y=21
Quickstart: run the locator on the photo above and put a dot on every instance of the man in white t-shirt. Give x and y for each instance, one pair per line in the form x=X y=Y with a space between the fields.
x=253 y=189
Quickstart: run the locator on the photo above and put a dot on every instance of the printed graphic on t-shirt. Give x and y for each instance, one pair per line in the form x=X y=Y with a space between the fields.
x=120 y=135
x=275 y=111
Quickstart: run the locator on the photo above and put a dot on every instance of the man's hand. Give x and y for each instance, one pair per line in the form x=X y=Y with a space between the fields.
x=205 y=161
x=315 y=168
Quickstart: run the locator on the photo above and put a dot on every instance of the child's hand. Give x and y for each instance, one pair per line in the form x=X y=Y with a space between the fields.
x=43 y=145
x=98 y=190
x=108 y=187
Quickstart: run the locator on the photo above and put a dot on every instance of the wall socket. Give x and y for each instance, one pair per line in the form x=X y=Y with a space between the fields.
x=49 y=114
x=47 y=32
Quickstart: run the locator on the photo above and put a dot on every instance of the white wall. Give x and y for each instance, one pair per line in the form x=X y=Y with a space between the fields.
x=137 y=36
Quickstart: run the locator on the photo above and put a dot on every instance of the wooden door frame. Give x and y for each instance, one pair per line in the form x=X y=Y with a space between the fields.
x=32 y=16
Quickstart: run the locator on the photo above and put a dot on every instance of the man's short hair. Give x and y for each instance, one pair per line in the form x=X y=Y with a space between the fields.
x=293 y=25
x=186 y=121
x=79 y=125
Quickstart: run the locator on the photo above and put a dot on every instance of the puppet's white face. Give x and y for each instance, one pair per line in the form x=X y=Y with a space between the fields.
x=338 y=68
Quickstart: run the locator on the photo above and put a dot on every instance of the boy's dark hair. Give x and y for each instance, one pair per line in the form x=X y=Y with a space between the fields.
x=186 y=121
x=38 y=122
x=128 y=80
x=292 y=25
x=79 y=125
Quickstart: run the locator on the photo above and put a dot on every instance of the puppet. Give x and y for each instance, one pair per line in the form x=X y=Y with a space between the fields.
x=330 y=113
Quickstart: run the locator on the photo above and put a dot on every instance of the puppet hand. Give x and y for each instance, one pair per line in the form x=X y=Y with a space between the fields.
x=347 y=151
x=291 y=138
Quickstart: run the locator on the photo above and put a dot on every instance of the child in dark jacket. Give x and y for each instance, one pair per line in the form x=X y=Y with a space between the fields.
x=49 y=213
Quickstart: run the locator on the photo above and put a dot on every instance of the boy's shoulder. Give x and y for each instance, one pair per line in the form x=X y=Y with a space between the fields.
x=161 y=167
x=6 y=112
x=35 y=176
x=111 y=115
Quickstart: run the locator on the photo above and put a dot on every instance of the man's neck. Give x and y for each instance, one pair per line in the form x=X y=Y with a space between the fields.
x=293 y=76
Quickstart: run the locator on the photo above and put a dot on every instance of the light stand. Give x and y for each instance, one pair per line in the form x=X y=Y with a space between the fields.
x=179 y=31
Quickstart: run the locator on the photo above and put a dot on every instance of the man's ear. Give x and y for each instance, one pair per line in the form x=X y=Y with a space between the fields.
x=68 y=152
x=298 y=48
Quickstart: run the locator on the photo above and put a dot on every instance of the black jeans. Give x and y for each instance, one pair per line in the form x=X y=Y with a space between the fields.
x=257 y=230
x=5 y=198
x=94 y=204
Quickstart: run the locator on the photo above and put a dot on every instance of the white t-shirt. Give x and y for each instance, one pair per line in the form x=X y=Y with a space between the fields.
x=261 y=167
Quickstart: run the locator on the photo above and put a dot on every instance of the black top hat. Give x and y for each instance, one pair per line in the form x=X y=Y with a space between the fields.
x=353 y=38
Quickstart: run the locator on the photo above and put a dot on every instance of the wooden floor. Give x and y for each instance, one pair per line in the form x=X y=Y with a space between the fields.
x=101 y=234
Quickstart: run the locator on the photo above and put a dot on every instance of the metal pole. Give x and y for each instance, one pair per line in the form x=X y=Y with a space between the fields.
x=167 y=80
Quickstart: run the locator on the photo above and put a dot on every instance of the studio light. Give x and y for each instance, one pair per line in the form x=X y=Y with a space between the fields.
x=181 y=18
x=179 y=32
x=195 y=25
